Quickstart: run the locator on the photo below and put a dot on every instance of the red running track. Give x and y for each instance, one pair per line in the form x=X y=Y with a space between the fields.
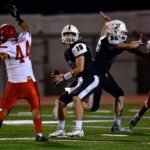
x=130 y=99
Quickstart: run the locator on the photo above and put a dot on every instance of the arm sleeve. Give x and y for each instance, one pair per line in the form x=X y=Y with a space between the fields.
x=79 y=49
x=4 y=49
x=98 y=47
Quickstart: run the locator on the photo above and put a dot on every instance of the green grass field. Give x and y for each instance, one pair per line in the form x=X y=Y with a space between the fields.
x=97 y=125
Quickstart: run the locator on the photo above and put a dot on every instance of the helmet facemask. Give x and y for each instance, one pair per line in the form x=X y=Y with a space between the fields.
x=69 y=34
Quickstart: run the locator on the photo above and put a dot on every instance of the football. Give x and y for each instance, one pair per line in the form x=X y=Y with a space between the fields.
x=55 y=72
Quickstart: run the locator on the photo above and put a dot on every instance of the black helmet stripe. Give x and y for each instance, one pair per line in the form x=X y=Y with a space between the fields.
x=69 y=27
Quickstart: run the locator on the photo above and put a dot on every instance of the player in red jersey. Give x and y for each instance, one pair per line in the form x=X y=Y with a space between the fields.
x=15 y=51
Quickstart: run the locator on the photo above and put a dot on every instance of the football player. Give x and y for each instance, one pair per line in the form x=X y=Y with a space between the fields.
x=15 y=52
x=110 y=45
x=79 y=59
x=145 y=55
x=135 y=119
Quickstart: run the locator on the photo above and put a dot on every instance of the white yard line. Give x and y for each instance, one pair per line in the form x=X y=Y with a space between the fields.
x=18 y=139
x=73 y=140
x=30 y=122
x=51 y=123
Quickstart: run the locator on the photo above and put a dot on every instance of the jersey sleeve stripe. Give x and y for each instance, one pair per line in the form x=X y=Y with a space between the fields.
x=3 y=46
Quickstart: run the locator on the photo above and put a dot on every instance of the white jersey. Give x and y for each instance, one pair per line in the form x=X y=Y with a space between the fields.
x=18 y=64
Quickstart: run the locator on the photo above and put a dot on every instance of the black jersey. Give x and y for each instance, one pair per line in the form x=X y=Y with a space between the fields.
x=77 y=49
x=106 y=53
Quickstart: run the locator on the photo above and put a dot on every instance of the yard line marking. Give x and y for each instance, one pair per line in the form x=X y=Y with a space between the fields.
x=16 y=139
x=102 y=141
x=114 y=135
x=51 y=123
x=103 y=127
x=103 y=111
x=68 y=139
x=28 y=122
x=133 y=110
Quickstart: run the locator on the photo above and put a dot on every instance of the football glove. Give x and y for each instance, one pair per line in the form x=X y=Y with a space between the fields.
x=12 y=10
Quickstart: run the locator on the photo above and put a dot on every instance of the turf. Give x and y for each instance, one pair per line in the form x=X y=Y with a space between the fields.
x=96 y=128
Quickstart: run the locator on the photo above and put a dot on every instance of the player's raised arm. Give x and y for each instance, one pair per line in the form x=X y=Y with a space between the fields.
x=12 y=10
x=105 y=27
x=105 y=17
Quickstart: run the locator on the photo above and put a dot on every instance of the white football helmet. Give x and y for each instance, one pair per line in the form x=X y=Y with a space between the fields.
x=66 y=38
x=118 y=27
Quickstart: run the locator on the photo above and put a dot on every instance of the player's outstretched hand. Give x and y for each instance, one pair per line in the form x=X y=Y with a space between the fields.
x=12 y=10
x=143 y=39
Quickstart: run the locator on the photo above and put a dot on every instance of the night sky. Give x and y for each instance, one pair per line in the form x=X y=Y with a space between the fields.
x=75 y=6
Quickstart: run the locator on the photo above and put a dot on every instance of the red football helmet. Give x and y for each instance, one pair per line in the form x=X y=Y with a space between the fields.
x=7 y=31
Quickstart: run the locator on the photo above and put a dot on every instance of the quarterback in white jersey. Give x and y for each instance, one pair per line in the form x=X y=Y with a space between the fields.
x=15 y=51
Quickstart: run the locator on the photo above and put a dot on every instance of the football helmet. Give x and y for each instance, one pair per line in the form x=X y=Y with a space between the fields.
x=69 y=39
x=118 y=27
x=7 y=31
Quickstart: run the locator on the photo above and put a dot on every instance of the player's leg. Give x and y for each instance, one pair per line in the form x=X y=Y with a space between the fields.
x=77 y=131
x=118 y=111
x=112 y=87
x=92 y=103
x=55 y=110
x=3 y=114
x=61 y=110
x=32 y=96
x=7 y=101
x=140 y=113
x=87 y=88
x=78 y=117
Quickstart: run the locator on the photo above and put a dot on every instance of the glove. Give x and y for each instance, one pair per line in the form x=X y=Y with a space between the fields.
x=12 y=10
x=55 y=72
x=144 y=45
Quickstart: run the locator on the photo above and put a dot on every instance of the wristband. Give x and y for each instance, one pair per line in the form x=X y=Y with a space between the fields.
x=19 y=20
x=68 y=75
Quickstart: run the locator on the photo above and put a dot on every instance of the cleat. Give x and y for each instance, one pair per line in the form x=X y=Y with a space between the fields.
x=55 y=112
x=117 y=128
x=39 y=138
x=76 y=133
x=58 y=133
x=1 y=122
x=134 y=121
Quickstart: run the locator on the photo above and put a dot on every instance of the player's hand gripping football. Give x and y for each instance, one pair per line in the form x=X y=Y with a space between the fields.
x=12 y=10
x=56 y=78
